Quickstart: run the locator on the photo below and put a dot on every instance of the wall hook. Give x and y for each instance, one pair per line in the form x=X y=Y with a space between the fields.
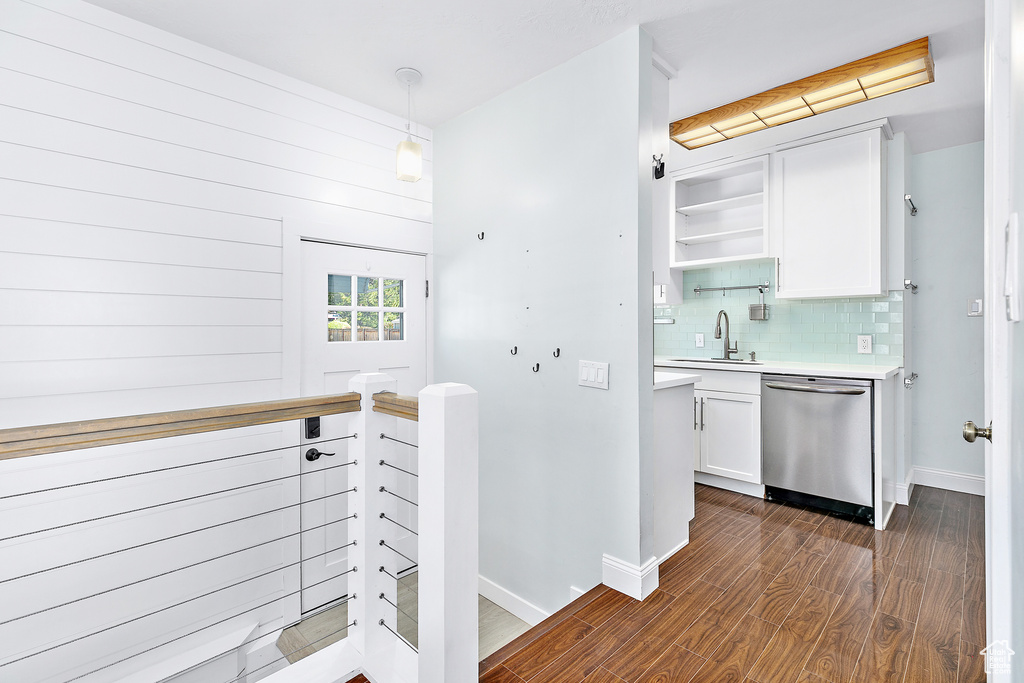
x=479 y=235
x=557 y=353
x=913 y=209
x=907 y=284
x=515 y=350
x=536 y=368
x=659 y=167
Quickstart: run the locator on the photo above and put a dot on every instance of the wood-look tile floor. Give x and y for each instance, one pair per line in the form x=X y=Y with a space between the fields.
x=768 y=593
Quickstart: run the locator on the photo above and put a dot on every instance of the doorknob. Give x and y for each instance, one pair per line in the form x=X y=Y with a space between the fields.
x=973 y=431
x=313 y=454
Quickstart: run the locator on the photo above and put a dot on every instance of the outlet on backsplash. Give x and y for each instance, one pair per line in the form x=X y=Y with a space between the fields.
x=863 y=343
x=698 y=338
x=811 y=330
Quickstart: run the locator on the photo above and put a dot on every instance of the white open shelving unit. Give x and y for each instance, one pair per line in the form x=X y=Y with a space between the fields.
x=721 y=214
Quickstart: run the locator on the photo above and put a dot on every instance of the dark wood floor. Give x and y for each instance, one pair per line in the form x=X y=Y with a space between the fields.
x=778 y=594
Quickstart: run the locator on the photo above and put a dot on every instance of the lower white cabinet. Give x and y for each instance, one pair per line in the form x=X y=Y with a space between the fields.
x=727 y=434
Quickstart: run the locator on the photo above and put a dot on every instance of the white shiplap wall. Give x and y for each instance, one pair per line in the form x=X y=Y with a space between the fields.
x=143 y=183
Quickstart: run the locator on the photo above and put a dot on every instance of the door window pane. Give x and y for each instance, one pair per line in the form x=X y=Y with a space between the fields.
x=367 y=326
x=393 y=326
x=369 y=291
x=339 y=326
x=393 y=294
x=339 y=290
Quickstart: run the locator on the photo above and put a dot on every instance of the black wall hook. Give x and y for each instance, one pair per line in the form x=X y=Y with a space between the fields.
x=515 y=350
x=659 y=167
x=536 y=368
x=479 y=235
x=557 y=353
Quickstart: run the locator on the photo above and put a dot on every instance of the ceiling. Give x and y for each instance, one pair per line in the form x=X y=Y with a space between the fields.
x=471 y=50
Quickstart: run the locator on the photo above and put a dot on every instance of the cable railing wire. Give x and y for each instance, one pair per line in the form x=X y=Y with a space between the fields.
x=173 y=502
x=181 y=535
x=391 y=493
x=391 y=438
x=203 y=628
x=179 y=604
x=384 y=516
x=408 y=616
x=399 y=636
x=385 y=545
x=175 y=467
x=385 y=463
x=188 y=566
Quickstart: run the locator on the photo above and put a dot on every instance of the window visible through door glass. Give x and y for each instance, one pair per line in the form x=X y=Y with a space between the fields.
x=375 y=315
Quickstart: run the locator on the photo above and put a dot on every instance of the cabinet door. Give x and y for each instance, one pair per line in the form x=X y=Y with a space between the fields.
x=828 y=217
x=731 y=436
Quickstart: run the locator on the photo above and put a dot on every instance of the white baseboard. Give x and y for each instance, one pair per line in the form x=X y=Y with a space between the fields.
x=629 y=579
x=734 y=485
x=675 y=550
x=950 y=481
x=905 y=490
x=509 y=601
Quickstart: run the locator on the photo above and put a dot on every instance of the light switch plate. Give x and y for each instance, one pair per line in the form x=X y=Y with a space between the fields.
x=863 y=343
x=593 y=374
x=975 y=308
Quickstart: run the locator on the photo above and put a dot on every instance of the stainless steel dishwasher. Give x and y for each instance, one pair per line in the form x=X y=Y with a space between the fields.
x=817 y=443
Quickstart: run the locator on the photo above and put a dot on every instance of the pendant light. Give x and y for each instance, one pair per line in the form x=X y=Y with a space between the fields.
x=409 y=156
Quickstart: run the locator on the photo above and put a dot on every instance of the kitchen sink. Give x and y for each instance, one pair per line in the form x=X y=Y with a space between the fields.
x=730 y=361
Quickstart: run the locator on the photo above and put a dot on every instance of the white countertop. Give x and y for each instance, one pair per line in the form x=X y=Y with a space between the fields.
x=783 y=368
x=664 y=380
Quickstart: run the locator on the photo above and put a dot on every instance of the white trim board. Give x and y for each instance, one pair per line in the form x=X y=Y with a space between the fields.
x=510 y=602
x=629 y=579
x=943 y=479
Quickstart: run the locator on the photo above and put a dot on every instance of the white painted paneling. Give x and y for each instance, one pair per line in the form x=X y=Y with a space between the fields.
x=63 y=308
x=74 y=240
x=143 y=183
x=32 y=271
x=24 y=198
x=39 y=343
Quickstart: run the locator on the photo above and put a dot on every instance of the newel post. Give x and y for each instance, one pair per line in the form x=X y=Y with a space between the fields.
x=448 y=542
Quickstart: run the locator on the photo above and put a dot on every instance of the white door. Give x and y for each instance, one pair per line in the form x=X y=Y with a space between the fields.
x=363 y=310
x=1004 y=340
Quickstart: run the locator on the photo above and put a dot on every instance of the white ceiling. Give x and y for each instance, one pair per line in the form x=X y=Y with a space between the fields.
x=471 y=50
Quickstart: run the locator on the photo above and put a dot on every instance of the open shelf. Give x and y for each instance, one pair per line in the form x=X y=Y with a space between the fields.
x=720 y=214
x=720 y=236
x=752 y=199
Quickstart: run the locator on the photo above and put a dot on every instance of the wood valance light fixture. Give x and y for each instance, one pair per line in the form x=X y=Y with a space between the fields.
x=880 y=74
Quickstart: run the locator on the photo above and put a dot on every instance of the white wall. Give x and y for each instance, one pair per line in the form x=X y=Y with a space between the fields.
x=556 y=174
x=947 y=265
x=143 y=180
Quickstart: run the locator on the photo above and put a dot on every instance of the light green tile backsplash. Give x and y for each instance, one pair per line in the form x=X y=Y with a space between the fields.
x=808 y=330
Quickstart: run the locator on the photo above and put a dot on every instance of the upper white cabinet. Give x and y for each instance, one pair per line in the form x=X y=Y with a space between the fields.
x=828 y=217
x=720 y=214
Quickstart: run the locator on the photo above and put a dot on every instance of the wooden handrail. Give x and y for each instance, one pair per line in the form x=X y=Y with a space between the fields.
x=406 y=407
x=21 y=442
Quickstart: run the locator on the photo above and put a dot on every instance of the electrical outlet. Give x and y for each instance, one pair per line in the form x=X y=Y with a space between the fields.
x=863 y=343
x=699 y=339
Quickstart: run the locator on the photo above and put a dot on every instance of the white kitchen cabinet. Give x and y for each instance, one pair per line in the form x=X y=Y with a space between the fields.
x=729 y=435
x=828 y=217
x=727 y=425
x=720 y=214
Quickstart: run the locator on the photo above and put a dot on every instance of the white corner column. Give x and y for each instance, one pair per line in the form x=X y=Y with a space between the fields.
x=448 y=451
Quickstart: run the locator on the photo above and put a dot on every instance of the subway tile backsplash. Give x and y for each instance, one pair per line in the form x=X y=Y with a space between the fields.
x=808 y=330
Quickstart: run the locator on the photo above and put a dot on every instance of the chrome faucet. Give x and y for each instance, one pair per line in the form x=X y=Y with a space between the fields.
x=729 y=350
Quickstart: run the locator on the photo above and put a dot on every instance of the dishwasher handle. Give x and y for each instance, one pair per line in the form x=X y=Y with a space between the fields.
x=816 y=389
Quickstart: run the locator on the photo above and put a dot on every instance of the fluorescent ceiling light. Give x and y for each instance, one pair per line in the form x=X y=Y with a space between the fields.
x=880 y=74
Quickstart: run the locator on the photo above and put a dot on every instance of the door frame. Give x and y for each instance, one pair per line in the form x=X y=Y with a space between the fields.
x=415 y=240
x=999 y=581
